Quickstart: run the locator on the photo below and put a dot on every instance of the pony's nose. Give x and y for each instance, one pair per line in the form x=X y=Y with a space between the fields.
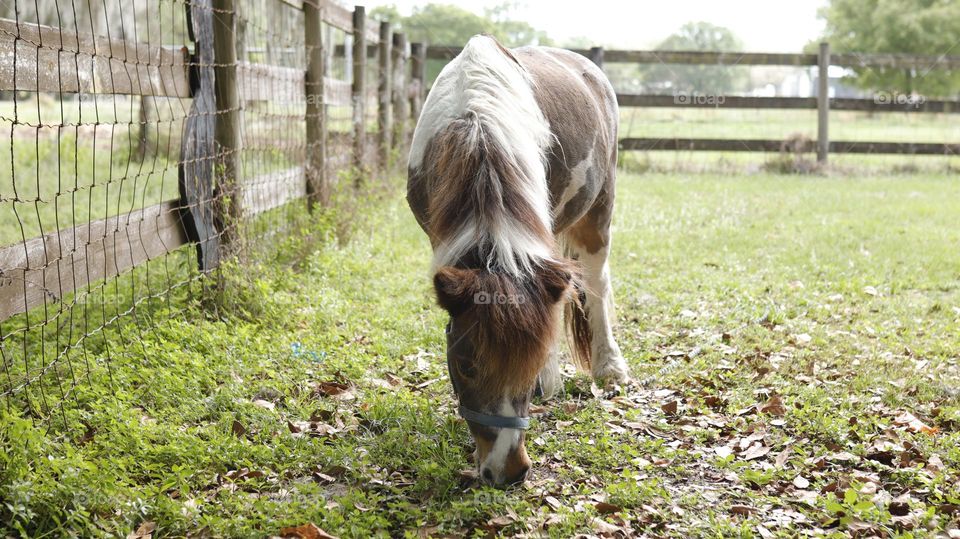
x=521 y=475
x=499 y=480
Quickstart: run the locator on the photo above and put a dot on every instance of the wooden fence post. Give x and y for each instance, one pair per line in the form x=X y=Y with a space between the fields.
x=359 y=89
x=227 y=130
x=418 y=72
x=823 y=103
x=384 y=90
x=315 y=114
x=596 y=56
x=401 y=103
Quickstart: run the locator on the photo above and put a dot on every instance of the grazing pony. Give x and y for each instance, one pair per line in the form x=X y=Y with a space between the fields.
x=511 y=175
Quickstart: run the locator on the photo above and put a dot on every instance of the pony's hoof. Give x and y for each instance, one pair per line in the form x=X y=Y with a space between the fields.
x=613 y=371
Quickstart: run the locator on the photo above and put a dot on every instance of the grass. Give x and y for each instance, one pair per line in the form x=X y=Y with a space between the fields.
x=780 y=329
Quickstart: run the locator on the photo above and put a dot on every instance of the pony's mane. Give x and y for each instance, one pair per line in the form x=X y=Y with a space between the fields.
x=488 y=161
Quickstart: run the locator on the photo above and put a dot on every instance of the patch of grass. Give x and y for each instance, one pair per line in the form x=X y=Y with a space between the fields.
x=780 y=329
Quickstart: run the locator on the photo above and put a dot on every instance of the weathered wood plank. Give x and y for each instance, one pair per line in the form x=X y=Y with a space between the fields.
x=711 y=101
x=854 y=60
x=273 y=190
x=262 y=82
x=903 y=148
x=36 y=58
x=692 y=144
x=44 y=269
x=337 y=93
x=709 y=58
x=823 y=103
x=767 y=145
x=881 y=104
x=341 y=17
x=315 y=113
x=359 y=92
x=915 y=61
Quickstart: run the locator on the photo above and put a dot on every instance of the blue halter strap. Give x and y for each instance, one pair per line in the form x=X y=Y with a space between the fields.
x=480 y=418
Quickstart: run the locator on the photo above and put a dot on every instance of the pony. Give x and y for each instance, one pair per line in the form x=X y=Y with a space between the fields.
x=511 y=175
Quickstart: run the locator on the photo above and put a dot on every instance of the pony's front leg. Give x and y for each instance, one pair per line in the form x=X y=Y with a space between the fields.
x=606 y=360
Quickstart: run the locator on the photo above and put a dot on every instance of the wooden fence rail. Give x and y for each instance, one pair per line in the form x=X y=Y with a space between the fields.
x=43 y=270
x=822 y=103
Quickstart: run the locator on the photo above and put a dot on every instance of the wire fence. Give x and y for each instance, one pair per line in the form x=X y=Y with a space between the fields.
x=145 y=142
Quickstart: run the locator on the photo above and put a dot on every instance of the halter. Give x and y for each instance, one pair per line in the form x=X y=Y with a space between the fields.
x=462 y=348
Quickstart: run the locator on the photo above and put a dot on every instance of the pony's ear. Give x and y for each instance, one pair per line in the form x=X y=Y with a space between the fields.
x=557 y=277
x=455 y=288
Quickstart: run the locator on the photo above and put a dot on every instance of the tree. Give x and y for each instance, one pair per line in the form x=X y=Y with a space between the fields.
x=897 y=26
x=445 y=24
x=715 y=80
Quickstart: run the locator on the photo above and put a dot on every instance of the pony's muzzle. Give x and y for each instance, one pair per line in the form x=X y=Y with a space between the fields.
x=512 y=470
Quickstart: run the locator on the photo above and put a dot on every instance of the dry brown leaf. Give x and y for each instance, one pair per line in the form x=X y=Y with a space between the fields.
x=144 y=531
x=238 y=428
x=605 y=528
x=334 y=389
x=774 y=406
x=755 y=451
x=553 y=502
x=913 y=424
x=267 y=405
x=671 y=407
x=306 y=531
x=605 y=508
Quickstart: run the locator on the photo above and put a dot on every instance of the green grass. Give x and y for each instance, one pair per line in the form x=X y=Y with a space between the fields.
x=793 y=320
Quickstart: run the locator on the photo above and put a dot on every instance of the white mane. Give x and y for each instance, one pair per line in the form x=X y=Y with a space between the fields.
x=487 y=84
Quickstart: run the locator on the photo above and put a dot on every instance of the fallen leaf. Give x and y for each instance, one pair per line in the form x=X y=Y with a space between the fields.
x=497 y=523
x=605 y=508
x=553 y=502
x=306 y=531
x=906 y=419
x=334 y=389
x=264 y=404
x=144 y=531
x=238 y=428
x=756 y=451
x=800 y=482
x=604 y=527
x=774 y=406
x=670 y=408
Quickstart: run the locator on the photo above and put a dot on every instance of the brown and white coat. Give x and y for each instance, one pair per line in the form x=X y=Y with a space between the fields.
x=511 y=175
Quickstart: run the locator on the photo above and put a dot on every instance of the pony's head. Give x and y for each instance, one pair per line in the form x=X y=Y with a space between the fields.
x=502 y=327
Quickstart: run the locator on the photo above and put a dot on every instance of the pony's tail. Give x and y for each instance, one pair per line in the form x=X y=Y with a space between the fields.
x=578 y=329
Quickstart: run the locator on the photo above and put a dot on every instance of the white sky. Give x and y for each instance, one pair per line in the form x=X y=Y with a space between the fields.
x=762 y=25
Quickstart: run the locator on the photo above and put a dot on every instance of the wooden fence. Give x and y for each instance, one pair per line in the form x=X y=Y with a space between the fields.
x=46 y=268
x=823 y=146
x=269 y=107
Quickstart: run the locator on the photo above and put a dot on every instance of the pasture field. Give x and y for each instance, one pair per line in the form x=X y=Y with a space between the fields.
x=794 y=342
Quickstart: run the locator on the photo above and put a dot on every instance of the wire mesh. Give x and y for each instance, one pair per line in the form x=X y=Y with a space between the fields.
x=115 y=176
